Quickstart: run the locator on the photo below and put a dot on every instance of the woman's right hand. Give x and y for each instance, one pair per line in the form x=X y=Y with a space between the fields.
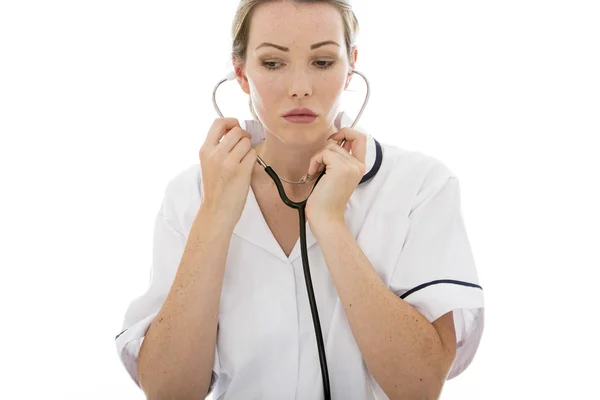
x=226 y=166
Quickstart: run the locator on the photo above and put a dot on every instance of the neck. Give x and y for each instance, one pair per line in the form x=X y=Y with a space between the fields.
x=289 y=162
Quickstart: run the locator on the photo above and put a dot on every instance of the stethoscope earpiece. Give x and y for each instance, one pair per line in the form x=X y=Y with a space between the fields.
x=230 y=76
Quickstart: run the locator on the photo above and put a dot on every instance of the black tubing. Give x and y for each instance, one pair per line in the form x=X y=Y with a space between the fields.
x=301 y=207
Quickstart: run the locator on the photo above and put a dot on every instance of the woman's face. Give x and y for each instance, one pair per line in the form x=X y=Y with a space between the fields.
x=280 y=80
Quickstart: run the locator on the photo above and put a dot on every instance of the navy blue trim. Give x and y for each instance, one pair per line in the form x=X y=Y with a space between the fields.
x=424 y=285
x=120 y=334
x=376 y=165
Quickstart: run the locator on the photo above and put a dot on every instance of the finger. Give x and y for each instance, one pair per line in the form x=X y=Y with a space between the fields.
x=241 y=148
x=356 y=141
x=337 y=149
x=219 y=128
x=349 y=160
x=316 y=164
x=341 y=150
x=347 y=145
x=325 y=158
x=232 y=138
x=346 y=157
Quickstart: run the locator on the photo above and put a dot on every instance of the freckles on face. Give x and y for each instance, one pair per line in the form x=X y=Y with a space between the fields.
x=281 y=80
x=274 y=94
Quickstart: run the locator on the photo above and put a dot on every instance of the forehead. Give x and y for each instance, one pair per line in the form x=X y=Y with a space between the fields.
x=289 y=24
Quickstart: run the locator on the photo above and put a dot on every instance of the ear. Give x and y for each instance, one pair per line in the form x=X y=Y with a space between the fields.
x=354 y=57
x=240 y=74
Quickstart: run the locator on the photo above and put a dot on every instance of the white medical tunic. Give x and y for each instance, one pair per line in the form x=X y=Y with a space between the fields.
x=405 y=215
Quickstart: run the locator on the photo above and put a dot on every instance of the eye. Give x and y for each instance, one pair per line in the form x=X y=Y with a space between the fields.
x=330 y=64
x=268 y=64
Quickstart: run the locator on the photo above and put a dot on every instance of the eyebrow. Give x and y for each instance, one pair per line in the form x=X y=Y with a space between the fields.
x=312 y=47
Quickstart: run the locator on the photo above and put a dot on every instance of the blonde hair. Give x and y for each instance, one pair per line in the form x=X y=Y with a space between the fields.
x=240 y=29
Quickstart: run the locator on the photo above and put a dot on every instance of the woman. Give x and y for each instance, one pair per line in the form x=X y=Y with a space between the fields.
x=394 y=278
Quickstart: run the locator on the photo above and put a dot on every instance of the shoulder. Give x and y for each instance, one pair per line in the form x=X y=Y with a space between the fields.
x=185 y=180
x=419 y=166
x=406 y=177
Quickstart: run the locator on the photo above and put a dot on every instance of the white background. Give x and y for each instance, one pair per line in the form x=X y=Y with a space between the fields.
x=102 y=103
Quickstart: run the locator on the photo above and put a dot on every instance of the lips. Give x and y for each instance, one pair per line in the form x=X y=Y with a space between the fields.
x=306 y=112
x=302 y=119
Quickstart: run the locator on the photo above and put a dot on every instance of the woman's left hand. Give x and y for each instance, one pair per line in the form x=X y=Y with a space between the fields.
x=344 y=171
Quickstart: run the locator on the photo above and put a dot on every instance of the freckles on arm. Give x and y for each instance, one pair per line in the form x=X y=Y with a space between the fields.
x=408 y=356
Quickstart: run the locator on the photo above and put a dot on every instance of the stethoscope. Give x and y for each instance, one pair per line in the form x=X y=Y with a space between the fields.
x=301 y=210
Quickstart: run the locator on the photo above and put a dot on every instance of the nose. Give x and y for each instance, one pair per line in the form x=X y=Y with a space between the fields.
x=297 y=95
x=301 y=85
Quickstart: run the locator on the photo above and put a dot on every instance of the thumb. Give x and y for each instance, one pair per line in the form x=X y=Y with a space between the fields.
x=335 y=136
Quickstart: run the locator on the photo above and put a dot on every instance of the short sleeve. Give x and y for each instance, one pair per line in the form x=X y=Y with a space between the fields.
x=168 y=247
x=436 y=273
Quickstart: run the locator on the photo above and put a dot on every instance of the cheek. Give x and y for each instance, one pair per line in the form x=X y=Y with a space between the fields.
x=263 y=97
x=265 y=92
x=335 y=82
x=334 y=89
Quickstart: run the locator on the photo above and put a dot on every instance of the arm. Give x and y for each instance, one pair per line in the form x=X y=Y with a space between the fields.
x=404 y=352
x=177 y=354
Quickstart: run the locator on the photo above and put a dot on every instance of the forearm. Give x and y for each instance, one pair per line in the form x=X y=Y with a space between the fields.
x=177 y=354
x=400 y=347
